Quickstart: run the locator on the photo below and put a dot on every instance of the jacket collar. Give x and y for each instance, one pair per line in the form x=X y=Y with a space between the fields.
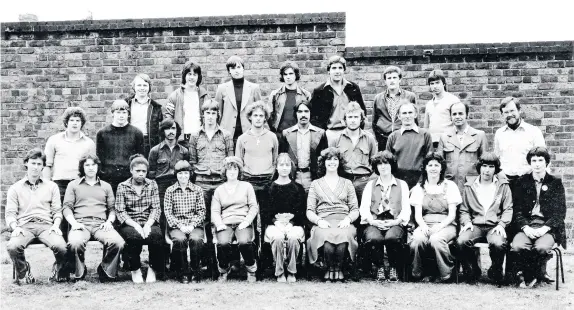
x=295 y=128
x=328 y=83
x=283 y=89
x=200 y=90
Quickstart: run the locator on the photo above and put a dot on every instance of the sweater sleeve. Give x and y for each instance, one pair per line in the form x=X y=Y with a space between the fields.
x=312 y=204
x=216 y=208
x=506 y=216
x=252 y=204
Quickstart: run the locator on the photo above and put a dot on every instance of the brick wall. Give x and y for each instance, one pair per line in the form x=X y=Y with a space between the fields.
x=48 y=66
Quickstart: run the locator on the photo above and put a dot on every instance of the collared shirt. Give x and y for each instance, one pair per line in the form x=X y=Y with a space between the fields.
x=365 y=208
x=437 y=115
x=26 y=202
x=207 y=155
x=511 y=146
x=357 y=156
x=392 y=103
x=485 y=193
x=414 y=128
x=191 y=113
x=162 y=160
x=89 y=201
x=184 y=206
x=536 y=210
x=138 y=207
x=460 y=135
x=340 y=102
x=138 y=114
x=63 y=154
x=303 y=148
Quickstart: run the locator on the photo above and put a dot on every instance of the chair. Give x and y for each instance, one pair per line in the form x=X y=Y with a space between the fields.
x=204 y=258
x=559 y=265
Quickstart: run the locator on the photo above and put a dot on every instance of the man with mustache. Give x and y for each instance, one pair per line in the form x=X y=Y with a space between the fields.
x=304 y=143
x=513 y=141
x=330 y=100
x=284 y=99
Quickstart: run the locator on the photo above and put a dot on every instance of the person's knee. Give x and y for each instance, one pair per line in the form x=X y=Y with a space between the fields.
x=463 y=242
x=542 y=249
x=75 y=244
x=436 y=241
x=14 y=246
x=519 y=247
x=499 y=245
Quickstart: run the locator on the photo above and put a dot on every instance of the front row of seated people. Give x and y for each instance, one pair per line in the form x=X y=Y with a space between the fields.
x=486 y=212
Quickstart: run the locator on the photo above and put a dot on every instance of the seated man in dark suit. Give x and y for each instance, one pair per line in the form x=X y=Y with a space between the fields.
x=539 y=212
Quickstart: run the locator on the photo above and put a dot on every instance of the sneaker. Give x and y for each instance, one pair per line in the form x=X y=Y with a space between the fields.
x=291 y=278
x=150 y=278
x=222 y=277
x=281 y=279
x=28 y=277
x=137 y=276
x=532 y=283
x=381 y=275
x=251 y=278
x=184 y=279
x=393 y=275
x=520 y=280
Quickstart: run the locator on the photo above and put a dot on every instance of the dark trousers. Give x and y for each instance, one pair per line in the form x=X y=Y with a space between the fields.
x=181 y=242
x=530 y=255
x=208 y=190
x=259 y=183
x=133 y=247
x=375 y=240
x=497 y=246
x=409 y=176
x=334 y=255
x=246 y=247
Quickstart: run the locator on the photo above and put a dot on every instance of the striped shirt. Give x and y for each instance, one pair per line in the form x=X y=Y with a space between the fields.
x=138 y=207
x=184 y=206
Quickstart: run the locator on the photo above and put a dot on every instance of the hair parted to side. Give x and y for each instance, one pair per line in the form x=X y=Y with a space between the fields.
x=507 y=100
x=392 y=69
x=88 y=156
x=384 y=157
x=144 y=77
x=74 y=112
x=233 y=61
x=138 y=159
x=404 y=102
x=328 y=153
x=167 y=123
x=257 y=105
x=354 y=107
x=297 y=105
x=35 y=153
x=281 y=159
x=436 y=75
x=229 y=162
x=289 y=65
x=336 y=59
x=191 y=66
x=428 y=158
x=210 y=105
x=120 y=104
x=488 y=158
x=538 y=151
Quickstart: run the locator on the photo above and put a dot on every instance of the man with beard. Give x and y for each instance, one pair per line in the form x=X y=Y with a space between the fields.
x=513 y=141
x=304 y=143
x=358 y=147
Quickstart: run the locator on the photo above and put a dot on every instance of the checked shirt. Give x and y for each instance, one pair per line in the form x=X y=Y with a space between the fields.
x=139 y=208
x=184 y=206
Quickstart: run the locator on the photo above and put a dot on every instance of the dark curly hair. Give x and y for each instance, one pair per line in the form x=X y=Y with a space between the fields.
x=384 y=157
x=329 y=153
x=430 y=157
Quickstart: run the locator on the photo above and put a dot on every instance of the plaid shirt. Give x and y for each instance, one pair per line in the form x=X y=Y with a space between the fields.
x=184 y=206
x=139 y=208
x=207 y=156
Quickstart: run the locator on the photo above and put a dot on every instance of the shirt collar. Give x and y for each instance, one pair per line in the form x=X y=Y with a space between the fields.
x=393 y=181
x=68 y=139
x=143 y=103
x=83 y=180
x=217 y=128
x=346 y=133
x=328 y=83
x=477 y=181
x=414 y=127
x=40 y=180
x=465 y=131
x=521 y=125
x=303 y=131
x=188 y=185
x=131 y=184
x=388 y=93
x=163 y=144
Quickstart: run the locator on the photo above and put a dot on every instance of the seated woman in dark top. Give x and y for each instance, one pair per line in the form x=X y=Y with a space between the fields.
x=332 y=206
x=284 y=220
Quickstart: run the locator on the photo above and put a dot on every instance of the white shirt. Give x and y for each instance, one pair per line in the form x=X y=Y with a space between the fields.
x=437 y=113
x=191 y=113
x=511 y=146
x=452 y=193
x=485 y=193
x=365 y=209
x=138 y=115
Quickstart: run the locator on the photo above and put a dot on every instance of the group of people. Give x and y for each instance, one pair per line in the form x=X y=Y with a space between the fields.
x=300 y=167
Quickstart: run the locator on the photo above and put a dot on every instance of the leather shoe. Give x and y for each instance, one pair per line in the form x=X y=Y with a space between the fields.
x=184 y=279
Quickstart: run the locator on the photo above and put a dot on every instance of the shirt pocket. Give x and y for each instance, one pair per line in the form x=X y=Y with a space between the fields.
x=202 y=144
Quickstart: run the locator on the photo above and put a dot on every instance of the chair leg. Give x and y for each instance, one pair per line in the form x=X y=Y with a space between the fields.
x=456 y=268
x=557 y=267
x=13 y=271
x=561 y=265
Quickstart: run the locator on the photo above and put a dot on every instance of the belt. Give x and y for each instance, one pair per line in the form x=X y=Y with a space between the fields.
x=304 y=169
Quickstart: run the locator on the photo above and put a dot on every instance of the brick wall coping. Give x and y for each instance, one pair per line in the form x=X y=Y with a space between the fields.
x=219 y=21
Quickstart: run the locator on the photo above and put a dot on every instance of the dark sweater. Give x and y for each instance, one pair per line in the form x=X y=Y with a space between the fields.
x=288 y=118
x=285 y=198
x=238 y=88
x=114 y=146
x=410 y=148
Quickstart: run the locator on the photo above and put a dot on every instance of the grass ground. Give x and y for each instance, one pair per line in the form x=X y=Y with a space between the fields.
x=367 y=294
